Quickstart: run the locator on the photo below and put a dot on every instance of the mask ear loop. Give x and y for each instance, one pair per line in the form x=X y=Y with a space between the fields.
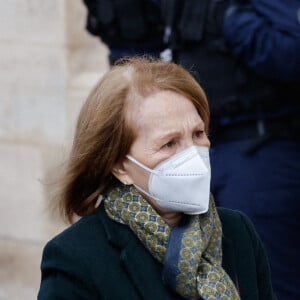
x=141 y=165
x=145 y=168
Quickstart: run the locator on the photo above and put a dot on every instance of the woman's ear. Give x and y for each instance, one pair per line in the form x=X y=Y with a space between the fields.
x=120 y=172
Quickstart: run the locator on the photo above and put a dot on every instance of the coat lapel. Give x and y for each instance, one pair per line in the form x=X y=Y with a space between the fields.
x=143 y=269
x=229 y=263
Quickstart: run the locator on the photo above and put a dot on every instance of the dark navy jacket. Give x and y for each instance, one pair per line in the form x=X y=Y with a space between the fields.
x=97 y=258
x=266 y=34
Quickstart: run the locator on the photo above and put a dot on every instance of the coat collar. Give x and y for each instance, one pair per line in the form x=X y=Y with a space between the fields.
x=142 y=268
x=229 y=258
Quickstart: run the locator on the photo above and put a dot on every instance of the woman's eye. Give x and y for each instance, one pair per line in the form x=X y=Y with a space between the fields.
x=169 y=144
x=198 y=133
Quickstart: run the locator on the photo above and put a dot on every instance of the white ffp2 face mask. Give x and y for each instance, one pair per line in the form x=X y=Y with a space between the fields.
x=182 y=182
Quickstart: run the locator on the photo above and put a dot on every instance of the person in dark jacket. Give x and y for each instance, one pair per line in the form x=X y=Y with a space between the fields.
x=139 y=178
x=266 y=36
x=127 y=27
x=246 y=55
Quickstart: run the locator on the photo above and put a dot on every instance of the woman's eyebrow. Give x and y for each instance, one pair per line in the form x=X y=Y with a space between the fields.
x=199 y=124
x=167 y=135
x=171 y=133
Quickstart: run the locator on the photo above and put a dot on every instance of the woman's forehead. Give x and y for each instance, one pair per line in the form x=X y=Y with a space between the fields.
x=163 y=111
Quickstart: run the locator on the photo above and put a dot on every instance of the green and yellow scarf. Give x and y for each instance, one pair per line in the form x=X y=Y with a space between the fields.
x=190 y=252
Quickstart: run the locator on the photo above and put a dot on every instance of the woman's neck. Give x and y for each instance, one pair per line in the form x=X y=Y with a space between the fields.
x=172 y=218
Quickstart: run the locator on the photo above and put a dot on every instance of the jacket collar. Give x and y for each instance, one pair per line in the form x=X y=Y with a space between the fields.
x=143 y=269
x=229 y=257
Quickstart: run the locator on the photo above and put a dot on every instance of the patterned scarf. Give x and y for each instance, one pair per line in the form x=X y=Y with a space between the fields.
x=190 y=252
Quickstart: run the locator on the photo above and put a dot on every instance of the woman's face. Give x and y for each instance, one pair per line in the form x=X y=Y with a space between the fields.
x=166 y=123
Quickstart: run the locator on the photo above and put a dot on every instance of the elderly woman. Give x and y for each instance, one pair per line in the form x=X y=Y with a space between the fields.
x=139 y=178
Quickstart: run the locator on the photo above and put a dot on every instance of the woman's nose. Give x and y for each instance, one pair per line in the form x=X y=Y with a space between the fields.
x=187 y=144
x=205 y=142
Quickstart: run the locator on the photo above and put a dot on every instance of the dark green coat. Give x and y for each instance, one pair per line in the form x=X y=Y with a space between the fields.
x=97 y=258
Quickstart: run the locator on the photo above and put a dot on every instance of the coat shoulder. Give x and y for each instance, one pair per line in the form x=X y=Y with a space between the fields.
x=82 y=230
x=246 y=254
x=235 y=222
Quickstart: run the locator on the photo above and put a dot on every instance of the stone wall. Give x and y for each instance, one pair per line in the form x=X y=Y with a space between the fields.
x=48 y=64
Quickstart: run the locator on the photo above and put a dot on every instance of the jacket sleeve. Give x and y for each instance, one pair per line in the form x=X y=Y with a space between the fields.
x=264 y=283
x=64 y=276
x=262 y=41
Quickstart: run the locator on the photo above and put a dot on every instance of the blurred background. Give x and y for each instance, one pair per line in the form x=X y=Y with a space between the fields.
x=48 y=65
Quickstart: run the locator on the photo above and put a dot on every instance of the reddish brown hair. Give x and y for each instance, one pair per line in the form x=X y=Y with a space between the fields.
x=103 y=134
